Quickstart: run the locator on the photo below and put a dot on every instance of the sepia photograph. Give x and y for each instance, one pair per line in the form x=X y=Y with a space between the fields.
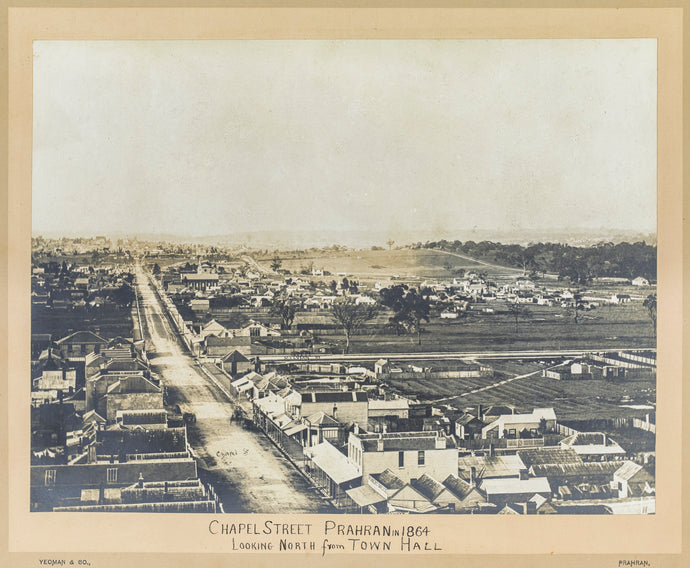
x=359 y=292
x=369 y=276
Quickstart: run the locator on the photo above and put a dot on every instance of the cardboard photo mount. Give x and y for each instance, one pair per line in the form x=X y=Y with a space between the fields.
x=179 y=540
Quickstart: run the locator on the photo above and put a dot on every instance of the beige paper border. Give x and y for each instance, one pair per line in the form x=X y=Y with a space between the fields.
x=573 y=540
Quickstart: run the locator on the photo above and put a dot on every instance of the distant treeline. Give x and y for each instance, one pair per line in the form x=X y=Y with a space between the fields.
x=580 y=264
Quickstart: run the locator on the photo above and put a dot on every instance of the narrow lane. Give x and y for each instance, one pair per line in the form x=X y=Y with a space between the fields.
x=248 y=472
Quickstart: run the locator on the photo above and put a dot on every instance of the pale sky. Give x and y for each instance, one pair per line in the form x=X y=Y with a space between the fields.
x=215 y=137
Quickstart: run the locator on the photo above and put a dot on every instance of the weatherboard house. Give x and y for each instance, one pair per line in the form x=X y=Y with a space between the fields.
x=80 y=343
x=515 y=425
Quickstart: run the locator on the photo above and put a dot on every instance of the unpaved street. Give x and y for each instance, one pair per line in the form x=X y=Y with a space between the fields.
x=249 y=473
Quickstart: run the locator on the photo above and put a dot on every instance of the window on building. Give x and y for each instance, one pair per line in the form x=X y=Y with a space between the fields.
x=111 y=475
x=401 y=459
x=420 y=457
x=50 y=477
x=255 y=331
x=512 y=432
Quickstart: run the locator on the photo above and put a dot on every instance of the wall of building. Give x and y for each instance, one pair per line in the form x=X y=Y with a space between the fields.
x=88 y=476
x=438 y=464
x=132 y=401
x=347 y=412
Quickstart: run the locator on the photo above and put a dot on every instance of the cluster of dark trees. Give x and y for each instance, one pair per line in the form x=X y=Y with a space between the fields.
x=410 y=308
x=579 y=264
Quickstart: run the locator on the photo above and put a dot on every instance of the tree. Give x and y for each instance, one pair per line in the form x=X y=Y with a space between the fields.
x=650 y=305
x=573 y=308
x=393 y=297
x=276 y=263
x=410 y=308
x=517 y=311
x=156 y=269
x=285 y=308
x=123 y=296
x=390 y=243
x=352 y=316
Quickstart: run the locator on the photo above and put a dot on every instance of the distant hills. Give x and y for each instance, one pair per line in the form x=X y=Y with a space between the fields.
x=297 y=239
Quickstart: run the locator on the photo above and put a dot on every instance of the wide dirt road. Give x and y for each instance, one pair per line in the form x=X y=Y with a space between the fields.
x=248 y=472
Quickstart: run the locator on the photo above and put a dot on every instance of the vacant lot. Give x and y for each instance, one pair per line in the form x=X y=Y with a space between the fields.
x=383 y=263
x=581 y=400
x=607 y=327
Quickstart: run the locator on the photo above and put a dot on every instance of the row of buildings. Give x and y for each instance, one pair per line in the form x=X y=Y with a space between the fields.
x=102 y=439
x=371 y=454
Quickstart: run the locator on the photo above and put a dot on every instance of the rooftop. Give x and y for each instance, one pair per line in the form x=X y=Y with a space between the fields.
x=400 y=441
x=388 y=479
x=332 y=462
x=334 y=396
x=552 y=455
x=514 y=485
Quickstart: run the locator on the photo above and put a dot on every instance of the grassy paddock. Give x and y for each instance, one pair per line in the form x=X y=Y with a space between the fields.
x=580 y=400
x=383 y=263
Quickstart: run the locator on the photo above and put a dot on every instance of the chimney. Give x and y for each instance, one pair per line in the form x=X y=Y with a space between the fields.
x=529 y=508
x=473 y=476
x=440 y=441
x=491 y=449
x=140 y=481
x=385 y=429
x=479 y=411
x=379 y=443
x=356 y=428
x=335 y=411
x=524 y=474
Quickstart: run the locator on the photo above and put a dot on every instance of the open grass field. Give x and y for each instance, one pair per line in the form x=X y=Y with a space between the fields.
x=385 y=263
x=608 y=327
x=581 y=400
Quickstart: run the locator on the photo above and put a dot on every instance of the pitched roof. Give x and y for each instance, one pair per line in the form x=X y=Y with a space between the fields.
x=364 y=495
x=213 y=324
x=235 y=357
x=93 y=416
x=388 y=479
x=491 y=466
x=333 y=463
x=465 y=419
x=499 y=410
x=133 y=384
x=630 y=470
x=458 y=487
x=51 y=361
x=574 y=469
x=82 y=337
x=550 y=455
x=428 y=487
x=319 y=418
x=409 y=494
x=535 y=416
